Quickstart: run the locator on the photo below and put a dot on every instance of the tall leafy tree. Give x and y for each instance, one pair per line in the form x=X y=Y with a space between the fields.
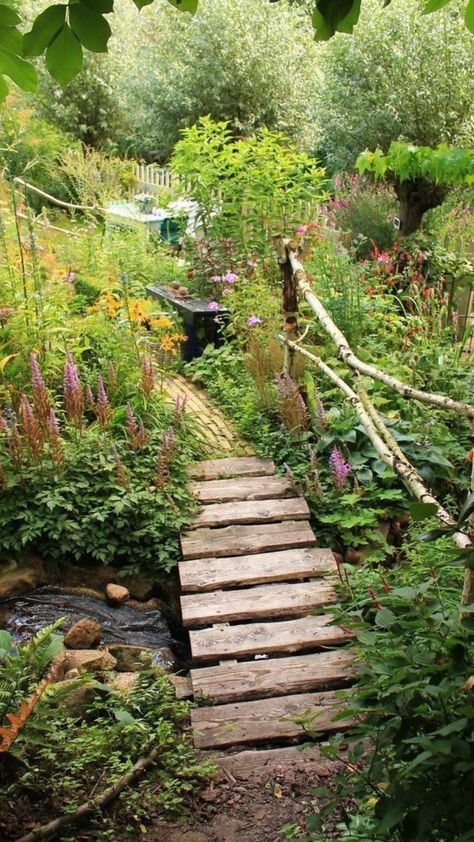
x=401 y=76
x=61 y=32
x=251 y=63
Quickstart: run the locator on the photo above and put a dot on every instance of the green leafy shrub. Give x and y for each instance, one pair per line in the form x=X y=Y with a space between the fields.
x=413 y=750
x=106 y=482
x=31 y=148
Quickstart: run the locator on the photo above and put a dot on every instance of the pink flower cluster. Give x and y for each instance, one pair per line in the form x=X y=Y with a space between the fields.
x=340 y=469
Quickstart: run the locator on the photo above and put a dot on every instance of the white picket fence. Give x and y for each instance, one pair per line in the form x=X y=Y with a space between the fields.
x=152 y=179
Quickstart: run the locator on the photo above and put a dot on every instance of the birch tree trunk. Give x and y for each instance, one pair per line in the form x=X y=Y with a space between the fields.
x=397 y=461
x=347 y=355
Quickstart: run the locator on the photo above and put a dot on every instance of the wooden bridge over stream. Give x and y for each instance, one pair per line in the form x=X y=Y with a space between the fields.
x=252 y=581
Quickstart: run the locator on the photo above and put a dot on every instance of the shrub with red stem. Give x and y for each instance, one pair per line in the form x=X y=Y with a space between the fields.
x=102 y=407
x=73 y=396
x=40 y=394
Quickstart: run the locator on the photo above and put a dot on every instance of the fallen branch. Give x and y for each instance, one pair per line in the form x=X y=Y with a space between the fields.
x=52 y=199
x=52 y=828
x=395 y=460
x=347 y=355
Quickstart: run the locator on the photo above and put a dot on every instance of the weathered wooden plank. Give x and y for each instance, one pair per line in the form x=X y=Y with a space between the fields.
x=265 y=720
x=245 y=540
x=260 y=765
x=210 y=574
x=242 y=488
x=251 y=511
x=274 y=677
x=287 y=600
x=231 y=467
x=240 y=641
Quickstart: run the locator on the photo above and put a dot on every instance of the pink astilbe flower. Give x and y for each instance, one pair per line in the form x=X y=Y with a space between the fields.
x=131 y=422
x=90 y=397
x=293 y=411
x=3 y=477
x=136 y=433
x=15 y=445
x=340 y=469
x=121 y=473
x=102 y=407
x=142 y=437
x=179 y=408
x=112 y=378
x=40 y=394
x=31 y=428
x=321 y=414
x=73 y=397
x=169 y=443
x=55 y=442
x=148 y=380
x=3 y=424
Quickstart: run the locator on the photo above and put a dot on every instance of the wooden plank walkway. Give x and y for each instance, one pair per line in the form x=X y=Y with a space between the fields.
x=252 y=580
x=217 y=433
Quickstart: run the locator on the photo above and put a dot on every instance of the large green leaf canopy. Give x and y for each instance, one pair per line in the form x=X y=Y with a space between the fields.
x=63 y=30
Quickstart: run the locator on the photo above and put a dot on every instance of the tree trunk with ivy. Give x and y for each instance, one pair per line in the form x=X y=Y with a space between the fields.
x=416 y=196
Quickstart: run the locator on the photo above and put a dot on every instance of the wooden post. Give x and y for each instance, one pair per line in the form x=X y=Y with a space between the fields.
x=290 y=302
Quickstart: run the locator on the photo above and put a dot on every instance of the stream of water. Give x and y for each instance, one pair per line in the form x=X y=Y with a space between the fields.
x=120 y=624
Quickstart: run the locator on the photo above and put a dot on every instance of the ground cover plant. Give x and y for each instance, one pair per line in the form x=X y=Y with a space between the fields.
x=54 y=759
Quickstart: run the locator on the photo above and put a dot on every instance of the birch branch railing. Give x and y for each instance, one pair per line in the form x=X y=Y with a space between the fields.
x=294 y=281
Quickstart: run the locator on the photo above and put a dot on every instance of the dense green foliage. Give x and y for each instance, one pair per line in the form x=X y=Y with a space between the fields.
x=413 y=750
x=226 y=63
x=58 y=760
x=401 y=76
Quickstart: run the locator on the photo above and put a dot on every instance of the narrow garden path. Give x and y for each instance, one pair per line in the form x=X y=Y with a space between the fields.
x=218 y=433
x=251 y=579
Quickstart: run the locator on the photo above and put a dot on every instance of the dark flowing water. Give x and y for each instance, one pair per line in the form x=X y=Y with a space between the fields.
x=120 y=624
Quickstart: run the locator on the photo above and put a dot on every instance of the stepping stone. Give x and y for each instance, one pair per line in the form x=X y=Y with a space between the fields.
x=274 y=677
x=244 y=511
x=211 y=574
x=266 y=719
x=259 y=638
x=246 y=540
x=287 y=600
x=231 y=467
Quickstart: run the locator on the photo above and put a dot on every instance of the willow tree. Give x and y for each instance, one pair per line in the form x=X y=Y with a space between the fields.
x=421 y=176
